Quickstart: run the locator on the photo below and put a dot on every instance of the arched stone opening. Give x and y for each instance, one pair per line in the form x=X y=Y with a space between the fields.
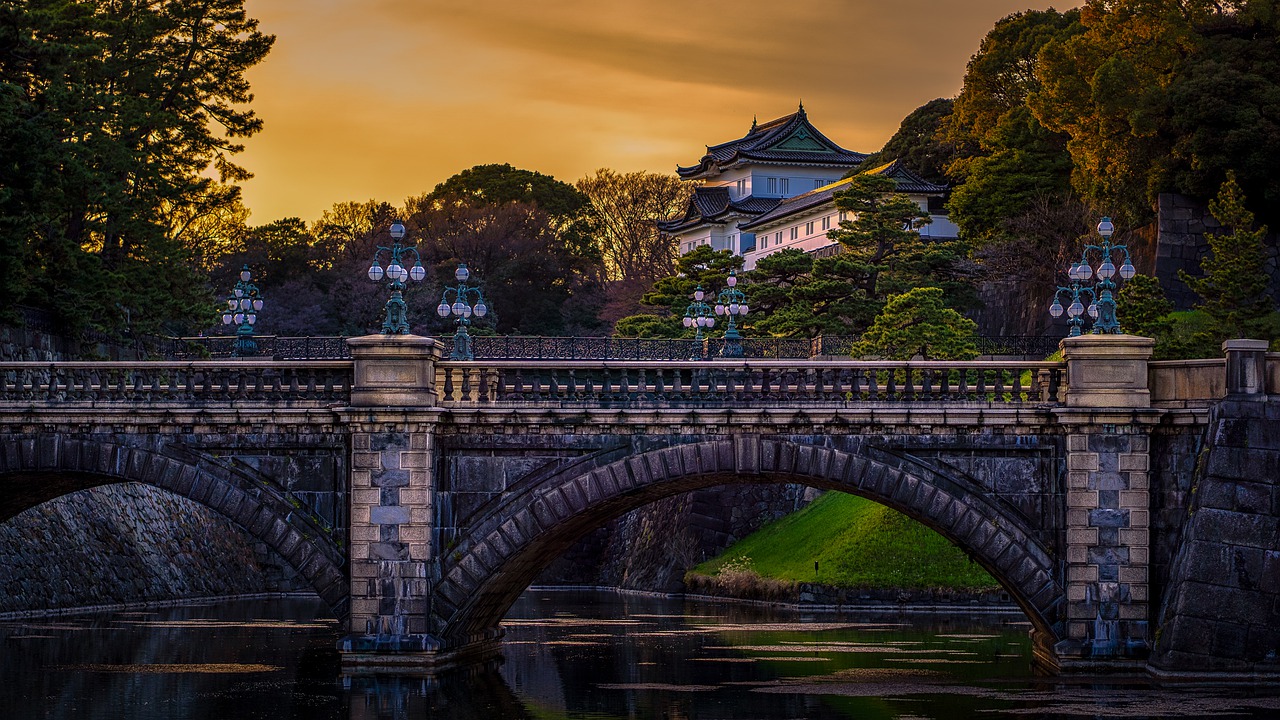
x=36 y=469
x=523 y=531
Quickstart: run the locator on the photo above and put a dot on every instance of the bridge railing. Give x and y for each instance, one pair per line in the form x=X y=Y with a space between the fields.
x=745 y=383
x=155 y=382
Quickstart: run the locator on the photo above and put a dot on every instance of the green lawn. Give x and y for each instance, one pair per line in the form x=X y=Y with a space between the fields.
x=856 y=543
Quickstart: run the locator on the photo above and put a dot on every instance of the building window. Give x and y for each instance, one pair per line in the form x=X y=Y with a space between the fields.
x=773 y=185
x=742 y=188
x=777 y=238
x=795 y=232
x=808 y=228
x=818 y=182
x=786 y=186
x=826 y=222
x=844 y=215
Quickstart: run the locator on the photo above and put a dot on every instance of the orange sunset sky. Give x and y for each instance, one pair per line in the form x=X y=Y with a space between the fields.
x=382 y=99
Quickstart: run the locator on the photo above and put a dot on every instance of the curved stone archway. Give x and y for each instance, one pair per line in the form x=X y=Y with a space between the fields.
x=35 y=469
x=515 y=538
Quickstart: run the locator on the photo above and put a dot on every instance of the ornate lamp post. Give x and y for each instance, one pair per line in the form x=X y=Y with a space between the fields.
x=462 y=308
x=1102 y=305
x=698 y=314
x=732 y=303
x=242 y=311
x=397 y=322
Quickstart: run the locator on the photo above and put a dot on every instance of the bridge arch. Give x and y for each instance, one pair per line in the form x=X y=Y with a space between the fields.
x=35 y=469
x=523 y=531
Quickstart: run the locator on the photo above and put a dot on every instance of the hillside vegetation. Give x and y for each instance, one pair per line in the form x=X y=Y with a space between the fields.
x=855 y=543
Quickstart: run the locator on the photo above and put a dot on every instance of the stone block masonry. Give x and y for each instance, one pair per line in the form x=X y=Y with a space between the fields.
x=1222 y=609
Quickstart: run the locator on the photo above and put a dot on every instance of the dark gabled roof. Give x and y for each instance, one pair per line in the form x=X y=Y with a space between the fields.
x=907 y=182
x=714 y=205
x=789 y=139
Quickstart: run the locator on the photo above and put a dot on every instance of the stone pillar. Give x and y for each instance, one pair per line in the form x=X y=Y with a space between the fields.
x=1108 y=502
x=1246 y=369
x=391 y=423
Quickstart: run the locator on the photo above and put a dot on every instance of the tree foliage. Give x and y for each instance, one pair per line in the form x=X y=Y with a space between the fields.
x=919 y=323
x=1234 y=288
x=627 y=207
x=113 y=116
x=670 y=296
x=1167 y=96
x=920 y=142
x=1004 y=157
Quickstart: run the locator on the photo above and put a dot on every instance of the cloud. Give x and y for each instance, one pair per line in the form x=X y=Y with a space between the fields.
x=386 y=98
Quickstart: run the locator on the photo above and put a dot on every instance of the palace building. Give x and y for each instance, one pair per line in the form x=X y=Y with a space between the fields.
x=773 y=189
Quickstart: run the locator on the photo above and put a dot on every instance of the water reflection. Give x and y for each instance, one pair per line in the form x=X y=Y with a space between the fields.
x=572 y=655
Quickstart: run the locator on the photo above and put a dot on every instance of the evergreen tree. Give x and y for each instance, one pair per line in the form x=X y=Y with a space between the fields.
x=1234 y=289
x=113 y=116
x=918 y=323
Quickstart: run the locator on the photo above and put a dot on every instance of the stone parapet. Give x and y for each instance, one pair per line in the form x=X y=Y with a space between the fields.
x=394 y=371
x=1107 y=371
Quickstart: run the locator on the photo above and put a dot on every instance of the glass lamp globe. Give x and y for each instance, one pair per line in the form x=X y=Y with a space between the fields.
x=719 y=309
x=742 y=309
x=233 y=304
x=699 y=294
x=239 y=292
x=397 y=231
x=394 y=270
x=375 y=271
x=417 y=272
x=257 y=303
x=462 y=273
x=1106 y=269
x=1105 y=228
x=443 y=309
x=1127 y=270
x=1075 y=309
x=688 y=321
x=238 y=318
x=1056 y=309
x=481 y=309
x=251 y=318
x=1093 y=310
x=458 y=308
x=1084 y=271
x=466 y=310
x=732 y=280
x=226 y=318
x=734 y=308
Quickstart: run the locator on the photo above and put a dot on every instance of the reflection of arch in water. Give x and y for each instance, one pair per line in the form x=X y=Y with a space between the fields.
x=36 y=469
x=513 y=538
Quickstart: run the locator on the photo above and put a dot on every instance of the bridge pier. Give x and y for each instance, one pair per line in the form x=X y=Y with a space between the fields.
x=393 y=566
x=1108 y=419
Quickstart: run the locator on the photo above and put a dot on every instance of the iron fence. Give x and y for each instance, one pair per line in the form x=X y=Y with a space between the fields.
x=520 y=347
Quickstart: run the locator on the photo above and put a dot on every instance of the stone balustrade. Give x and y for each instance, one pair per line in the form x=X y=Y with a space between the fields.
x=175 y=382
x=749 y=382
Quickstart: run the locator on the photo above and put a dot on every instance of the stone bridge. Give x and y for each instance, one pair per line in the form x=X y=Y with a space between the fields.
x=420 y=497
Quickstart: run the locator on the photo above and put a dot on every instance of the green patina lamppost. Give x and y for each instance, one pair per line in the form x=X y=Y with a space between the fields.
x=732 y=304
x=397 y=321
x=242 y=311
x=699 y=315
x=1102 y=305
x=462 y=308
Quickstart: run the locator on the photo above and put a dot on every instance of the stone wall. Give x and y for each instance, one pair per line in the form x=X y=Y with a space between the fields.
x=1222 y=609
x=652 y=548
x=1183 y=224
x=129 y=543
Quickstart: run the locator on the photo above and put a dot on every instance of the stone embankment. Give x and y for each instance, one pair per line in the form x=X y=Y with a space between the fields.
x=129 y=543
x=1222 y=610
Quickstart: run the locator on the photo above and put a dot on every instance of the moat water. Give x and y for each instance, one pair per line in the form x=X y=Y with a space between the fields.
x=567 y=654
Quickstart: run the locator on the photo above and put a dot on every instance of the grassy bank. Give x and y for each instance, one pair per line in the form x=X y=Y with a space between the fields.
x=856 y=543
